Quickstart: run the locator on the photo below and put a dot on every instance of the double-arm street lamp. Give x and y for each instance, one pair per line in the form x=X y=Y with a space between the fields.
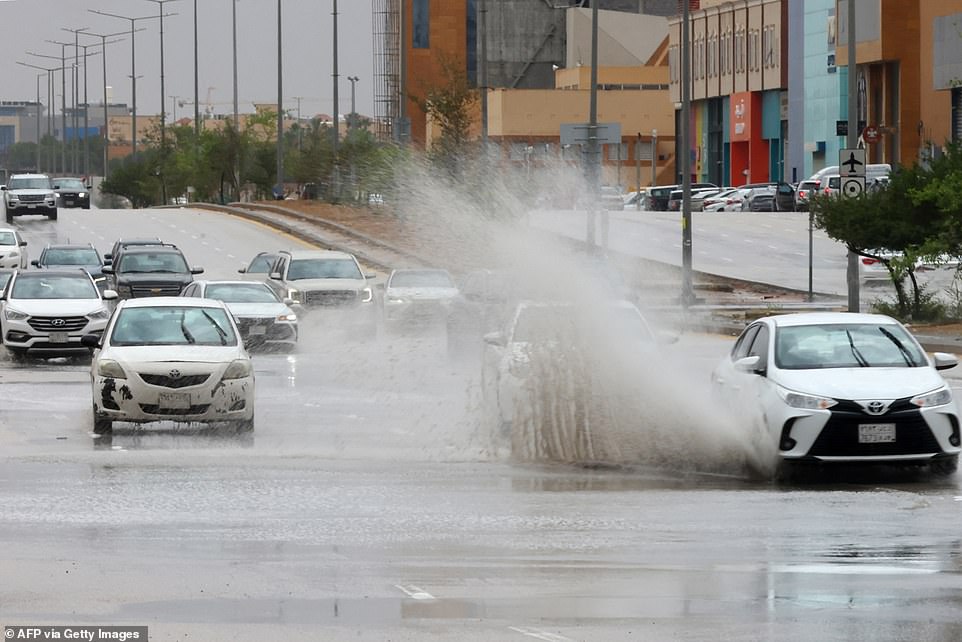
x=163 y=115
x=103 y=42
x=75 y=94
x=353 y=120
x=63 y=100
x=48 y=71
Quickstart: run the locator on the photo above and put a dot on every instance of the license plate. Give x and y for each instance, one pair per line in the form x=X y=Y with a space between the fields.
x=174 y=400
x=68 y=203
x=59 y=337
x=257 y=329
x=876 y=433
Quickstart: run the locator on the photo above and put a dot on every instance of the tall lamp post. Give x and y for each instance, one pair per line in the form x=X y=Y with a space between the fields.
x=63 y=102
x=687 y=288
x=163 y=101
x=280 y=106
x=352 y=121
x=49 y=71
x=133 y=71
x=103 y=49
x=337 y=124
x=86 y=104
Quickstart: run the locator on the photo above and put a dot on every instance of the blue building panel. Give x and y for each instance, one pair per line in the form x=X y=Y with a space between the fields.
x=772 y=114
x=821 y=86
x=8 y=136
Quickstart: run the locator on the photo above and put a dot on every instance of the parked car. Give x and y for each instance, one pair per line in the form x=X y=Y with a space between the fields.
x=48 y=311
x=835 y=388
x=72 y=192
x=657 y=197
x=150 y=271
x=760 y=199
x=263 y=320
x=85 y=256
x=698 y=198
x=418 y=297
x=729 y=200
x=675 y=197
x=803 y=192
x=171 y=359
x=29 y=194
x=784 y=195
x=13 y=253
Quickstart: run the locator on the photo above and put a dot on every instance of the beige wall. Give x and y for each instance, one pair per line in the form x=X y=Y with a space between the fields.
x=580 y=77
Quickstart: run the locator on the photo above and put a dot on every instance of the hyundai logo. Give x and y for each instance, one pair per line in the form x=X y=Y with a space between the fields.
x=174 y=374
x=58 y=323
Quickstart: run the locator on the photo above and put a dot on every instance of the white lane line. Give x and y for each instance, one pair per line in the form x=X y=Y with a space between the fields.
x=172 y=226
x=538 y=633
x=231 y=256
x=414 y=592
x=749 y=241
x=217 y=249
x=725 y=258
x=772 y=247
x=801 y=253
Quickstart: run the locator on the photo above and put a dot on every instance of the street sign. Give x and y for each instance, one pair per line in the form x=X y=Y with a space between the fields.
x=851 y=163
x=871 y=134
x=575 y=133
x=853 y=186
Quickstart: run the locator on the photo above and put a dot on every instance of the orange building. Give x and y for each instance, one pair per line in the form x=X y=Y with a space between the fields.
x=940 y=77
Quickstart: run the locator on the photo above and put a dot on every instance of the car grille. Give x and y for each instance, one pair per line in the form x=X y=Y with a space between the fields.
x=330 y=297
x=31 y=198
x=839 y=437
x=57 y=324
x=166 y=381
x=154 y=409
x=159 y=289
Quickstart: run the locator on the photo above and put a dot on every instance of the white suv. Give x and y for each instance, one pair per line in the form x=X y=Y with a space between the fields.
x=29 y=194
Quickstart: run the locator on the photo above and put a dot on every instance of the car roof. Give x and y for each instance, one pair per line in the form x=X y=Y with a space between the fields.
x=69 y=246
x=207 y=282
x=29 y=175
x=57 y=271
x=317 y=254
x=829 y=318
x=171 y=302
x=152 y=249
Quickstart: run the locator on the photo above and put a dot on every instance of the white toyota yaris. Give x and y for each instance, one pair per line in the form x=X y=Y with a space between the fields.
x=844 y=387
x=171 y=359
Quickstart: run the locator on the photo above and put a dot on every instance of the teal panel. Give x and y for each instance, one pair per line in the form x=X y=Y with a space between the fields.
x=771 y=114
x=726 y=164
x=843 y=91
x=726 y=102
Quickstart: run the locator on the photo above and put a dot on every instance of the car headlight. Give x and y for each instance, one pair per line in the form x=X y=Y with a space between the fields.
x=294 y=295
x=99 y=315
x=110 y=368
x=15 y=315
x=287 y=317
x=938 y=397
x=238 y=369
x=367 y=295
x=82 y=195
x=56 y=194
x=124 y=290
x=14 y=253
x=806 y=402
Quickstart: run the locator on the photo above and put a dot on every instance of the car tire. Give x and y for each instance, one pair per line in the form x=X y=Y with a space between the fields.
x=946 y=466
x=243 y=425
x=9 y=218
x=17 y=354
x=102 y=425
x=52 y=215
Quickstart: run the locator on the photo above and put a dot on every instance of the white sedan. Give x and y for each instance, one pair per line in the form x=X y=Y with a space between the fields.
x=47 y=312
x=418 y=296
x=13 y=253
x=843 y=387
x=173 y=359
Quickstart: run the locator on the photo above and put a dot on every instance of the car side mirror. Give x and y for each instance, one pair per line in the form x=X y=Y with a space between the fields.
x=496 y=339
x=944 y=360
x=196 y=270
x=56 y=187
x=35 y=263
x=749 y=364
x=23 y=244
x=275 y=275
x=242 y=270
x=370 y=275
x=107 y=269
x=88 y=187
x=90 y=341
x=288 y=301
x=109 y=295
x=108 y=257
x=3 y=188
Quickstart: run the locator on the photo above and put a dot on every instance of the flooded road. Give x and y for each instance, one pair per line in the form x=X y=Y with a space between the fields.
x=369 y=505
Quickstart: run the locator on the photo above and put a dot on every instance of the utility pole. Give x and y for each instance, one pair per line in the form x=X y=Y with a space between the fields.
x=687 y=289
x=163 y=101
x=86 y=144
x=197 y=76
x=280 y=107
x=49 y=71
x=337 y=124
x=638 y=171
x=233 y=4
x=299 y=142
x=483 y=70
x=74 y=117
x=851 y=275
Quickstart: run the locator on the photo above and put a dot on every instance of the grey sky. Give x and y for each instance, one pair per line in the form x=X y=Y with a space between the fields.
x=307 y=48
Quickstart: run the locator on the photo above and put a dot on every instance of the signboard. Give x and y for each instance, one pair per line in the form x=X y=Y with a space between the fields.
x=575 y=133
x=853 y=186
x=851 y=162
x=871 y=134
x=841 y=127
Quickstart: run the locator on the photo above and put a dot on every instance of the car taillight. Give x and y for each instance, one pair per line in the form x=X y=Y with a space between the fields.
x=802 y=194
x=867 y=261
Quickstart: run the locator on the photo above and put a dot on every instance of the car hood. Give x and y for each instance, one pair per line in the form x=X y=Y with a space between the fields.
x=30 y=192
x=154 y=277
x=328 y=284
x=422 y=293
x=862 y=383
x=56 y=307
x=258 y=309
x=172 y=354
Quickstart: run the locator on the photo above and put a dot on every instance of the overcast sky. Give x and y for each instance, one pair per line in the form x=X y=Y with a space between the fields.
x=307 y=52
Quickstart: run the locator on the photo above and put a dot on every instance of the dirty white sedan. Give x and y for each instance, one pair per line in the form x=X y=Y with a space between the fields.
x=171 y=359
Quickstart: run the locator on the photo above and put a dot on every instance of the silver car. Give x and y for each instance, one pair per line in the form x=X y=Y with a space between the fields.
x=264 y=321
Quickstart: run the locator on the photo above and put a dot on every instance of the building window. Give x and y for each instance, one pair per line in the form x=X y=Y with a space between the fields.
x=421 y=24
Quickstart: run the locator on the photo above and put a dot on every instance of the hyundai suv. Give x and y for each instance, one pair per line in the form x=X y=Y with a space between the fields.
x=324 y=279
x=29 y=194
x=144 y=271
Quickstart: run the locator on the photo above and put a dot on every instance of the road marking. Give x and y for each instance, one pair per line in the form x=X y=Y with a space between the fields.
x=772 y=247
x=725 y=258
x=231 y=256
x=538 y=633
x=749 y=241
x=414 y=592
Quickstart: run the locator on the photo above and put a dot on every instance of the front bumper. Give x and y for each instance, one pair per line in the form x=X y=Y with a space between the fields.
x=137 y=401
x=258 y=332
x=19 y=208
x=20 y=335
x=415 y=311
x=74 y=200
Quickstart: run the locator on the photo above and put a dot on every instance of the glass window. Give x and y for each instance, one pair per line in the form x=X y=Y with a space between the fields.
x=167 y=262
x=846 y=346
x=323 y=269
x=54 y=287
x=8 y=238
x=421 y=278
x=421 y=24
x=241 y=293
x=744 y=342
x=261 y=264
x=34 y=182
x=75 y=256
x=170 y=325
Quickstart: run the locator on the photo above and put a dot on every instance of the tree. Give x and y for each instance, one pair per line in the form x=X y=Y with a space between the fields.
x=449 y=104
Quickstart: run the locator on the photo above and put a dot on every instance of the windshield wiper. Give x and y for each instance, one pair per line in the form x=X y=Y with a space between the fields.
x=906 y=355
x=858 y=355
x=187 y=335
x=220 y=330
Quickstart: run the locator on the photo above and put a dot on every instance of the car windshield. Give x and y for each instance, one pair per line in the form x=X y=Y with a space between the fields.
x=323 y=269
x=8 y=238
x=70 y=183
x=73 y=256
x=241 y=293
x=261 y=264
x=421 y=279
x=4 y=279
x=34 y=182
x=863 y=345
x=153 y=262
x=173 y=325
x=29 y=286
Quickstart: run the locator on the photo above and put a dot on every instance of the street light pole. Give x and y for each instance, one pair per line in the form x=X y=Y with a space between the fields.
x=654 y=156
x=163 y=101
x=352 y=121
x=337 y=124
x=76 y=93
x=103 y=48
x=63 y=102
x=48 y=71
x=593 y=148
x=687 y=289
x=852 y=277
x=280 y=106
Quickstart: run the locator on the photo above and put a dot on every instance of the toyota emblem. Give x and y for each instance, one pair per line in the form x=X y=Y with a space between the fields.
x=174 y=374
x=58 y=323
x=875 y=407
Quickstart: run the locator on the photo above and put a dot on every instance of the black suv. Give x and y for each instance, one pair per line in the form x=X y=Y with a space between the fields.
x=150 y=270
x=72 y=192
